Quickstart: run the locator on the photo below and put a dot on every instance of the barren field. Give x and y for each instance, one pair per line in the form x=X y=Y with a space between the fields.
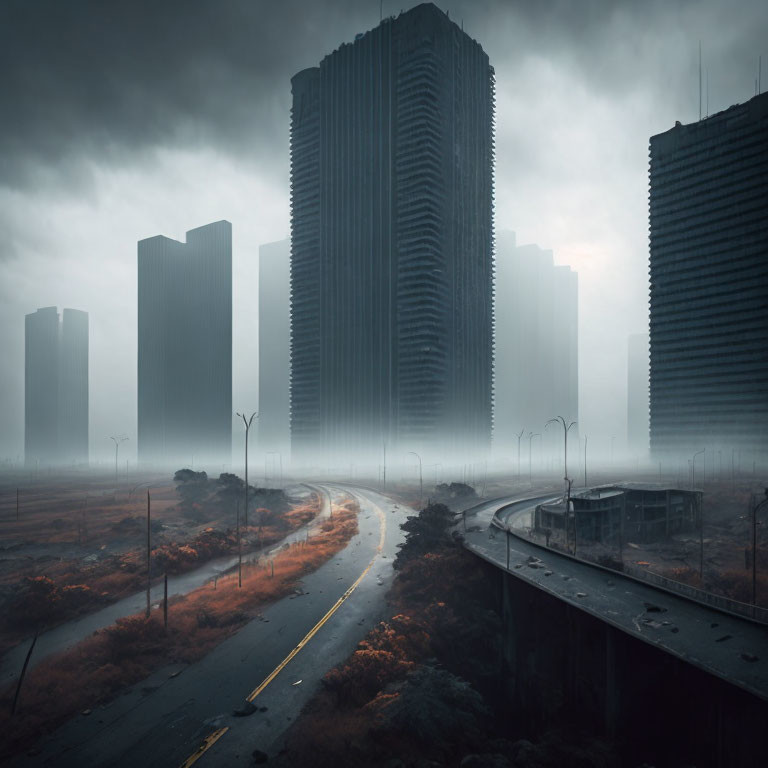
x=79 y=545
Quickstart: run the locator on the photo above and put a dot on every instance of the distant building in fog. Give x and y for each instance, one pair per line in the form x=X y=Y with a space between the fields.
x=185 y=348
x=536 y=342
x=274 y=347
x=709 y=283
x=391 y=243
x=56 y=387
x=637 y=394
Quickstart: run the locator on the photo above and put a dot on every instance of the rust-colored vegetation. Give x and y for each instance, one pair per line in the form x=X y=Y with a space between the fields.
x=41 y=593
x=441 y=608
x=127 y=652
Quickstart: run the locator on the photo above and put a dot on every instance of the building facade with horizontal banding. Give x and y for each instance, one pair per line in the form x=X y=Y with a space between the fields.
x=392 y=241
x=709 y=285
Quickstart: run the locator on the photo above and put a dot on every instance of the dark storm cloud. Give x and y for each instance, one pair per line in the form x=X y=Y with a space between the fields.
x=104 y=80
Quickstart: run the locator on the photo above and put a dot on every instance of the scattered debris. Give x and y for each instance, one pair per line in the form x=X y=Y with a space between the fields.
x=86 y=712
x=248 y=708
x=298 y=682
x=581 y=594
x=259 y=757
x=651 y=608
x=723 y=638
x=749 y=657
x=547 y=573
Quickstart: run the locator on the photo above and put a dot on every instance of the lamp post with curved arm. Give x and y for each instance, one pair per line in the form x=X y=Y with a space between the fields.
x=531 y=435
x=421 y=484
x=693 y=467
x=566 y=429
x=117 y=440
x=247 y=422
x=522 y=432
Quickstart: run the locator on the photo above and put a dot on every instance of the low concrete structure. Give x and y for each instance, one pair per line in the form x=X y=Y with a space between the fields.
x=616 y=513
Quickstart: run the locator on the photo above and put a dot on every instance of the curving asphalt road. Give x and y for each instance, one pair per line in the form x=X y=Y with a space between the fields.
x=67 y=635
x=727 y=646
x=164 y=720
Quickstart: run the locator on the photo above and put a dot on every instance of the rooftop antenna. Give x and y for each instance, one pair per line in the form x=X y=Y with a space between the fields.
x=706 y=72
x=699 y=80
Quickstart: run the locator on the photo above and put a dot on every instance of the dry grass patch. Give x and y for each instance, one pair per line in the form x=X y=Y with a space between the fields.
x=130 y=650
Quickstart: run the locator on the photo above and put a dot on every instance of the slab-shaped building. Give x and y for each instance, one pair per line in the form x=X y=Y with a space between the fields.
x=185 y=349
x=709 y=284
x=391 y=242
x=536 y=375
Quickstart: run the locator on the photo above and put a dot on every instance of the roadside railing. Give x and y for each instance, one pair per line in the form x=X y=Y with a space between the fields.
x=719 y=602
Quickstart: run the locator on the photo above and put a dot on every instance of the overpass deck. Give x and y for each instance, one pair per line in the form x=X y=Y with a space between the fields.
x=724 y=645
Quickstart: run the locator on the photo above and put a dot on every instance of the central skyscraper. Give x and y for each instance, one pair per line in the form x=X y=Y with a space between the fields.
x=391 y=242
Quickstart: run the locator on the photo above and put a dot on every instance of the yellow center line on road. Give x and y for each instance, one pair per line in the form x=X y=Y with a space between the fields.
x=211 y=739
x=208 y=742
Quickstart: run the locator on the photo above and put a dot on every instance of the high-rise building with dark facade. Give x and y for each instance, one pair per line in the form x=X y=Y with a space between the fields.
x=392 y=241
x=637 y=394
x=709 y=283
x=536 y=374
x=274 y=347
x=185 y=348
x=56 y=388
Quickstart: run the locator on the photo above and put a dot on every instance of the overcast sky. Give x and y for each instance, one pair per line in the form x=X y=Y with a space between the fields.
x=126 y=119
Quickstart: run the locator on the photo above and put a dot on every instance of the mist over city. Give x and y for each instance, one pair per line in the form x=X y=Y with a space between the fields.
x=383 y=386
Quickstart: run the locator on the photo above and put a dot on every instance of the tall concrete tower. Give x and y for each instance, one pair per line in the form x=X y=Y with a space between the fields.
x=56 y=387
x=391 y=243
x=709 y=285
x=274 y=347
x=637 y=394
x=185 y=349
x=537 y=342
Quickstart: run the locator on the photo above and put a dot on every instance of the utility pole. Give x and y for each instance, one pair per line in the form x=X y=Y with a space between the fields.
x=149 y=561
x=522 y=431
x=247 y=422
x=239 y=550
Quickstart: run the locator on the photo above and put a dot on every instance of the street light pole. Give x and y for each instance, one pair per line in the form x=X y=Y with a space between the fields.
x=421 y=483
x=531 y=435
x=247 y=422
x=117 y=440
x=693 y=468
x=566 y=429
x=522 y=432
